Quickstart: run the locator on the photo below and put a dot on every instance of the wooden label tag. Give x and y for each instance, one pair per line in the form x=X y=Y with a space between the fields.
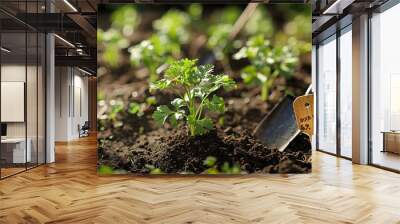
x=303 y=107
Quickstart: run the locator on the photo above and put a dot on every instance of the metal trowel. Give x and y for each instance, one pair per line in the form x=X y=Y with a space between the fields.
x=286 y=120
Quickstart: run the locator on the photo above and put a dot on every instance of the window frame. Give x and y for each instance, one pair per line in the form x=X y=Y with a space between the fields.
x=341 y=27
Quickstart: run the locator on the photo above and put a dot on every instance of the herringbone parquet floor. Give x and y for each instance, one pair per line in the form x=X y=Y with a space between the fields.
x=70 y=191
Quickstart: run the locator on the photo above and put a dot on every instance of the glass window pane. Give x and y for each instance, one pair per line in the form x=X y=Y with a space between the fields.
x=327 y=95
x=32 y=87
x=31 y=97
x=14 y=153
x=41 y=98
x=385 y=84
x=346 y=93
x=23 y=90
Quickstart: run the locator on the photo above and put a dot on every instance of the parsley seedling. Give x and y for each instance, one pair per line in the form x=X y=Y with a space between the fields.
x=195 y=86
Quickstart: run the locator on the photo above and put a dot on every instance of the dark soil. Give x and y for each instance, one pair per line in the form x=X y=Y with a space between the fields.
x=141 y=142
x=173 y=151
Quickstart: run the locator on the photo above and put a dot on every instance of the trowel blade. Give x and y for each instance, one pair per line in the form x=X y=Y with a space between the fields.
x=279 y=127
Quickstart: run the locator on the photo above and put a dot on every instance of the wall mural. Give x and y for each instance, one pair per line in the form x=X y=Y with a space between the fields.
x=186 y=89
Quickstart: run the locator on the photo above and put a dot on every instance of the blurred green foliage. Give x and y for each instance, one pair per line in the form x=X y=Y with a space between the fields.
x=151 y=100
x=220 y=29
x=212 y=168
x=210 y=161
x=105 y=170
x=152 y=53
x=300 y=27
x=113 y=42
x=273 y=40
x=111 y=113
x=171 y=31
x=260 y=22
x=267 y=62
x=227 y=15
x=125 y=19
x=195 y=11
x=153 y=169
x=173 y=26
x=135 y=108
x=124 y=22
x=117 y=107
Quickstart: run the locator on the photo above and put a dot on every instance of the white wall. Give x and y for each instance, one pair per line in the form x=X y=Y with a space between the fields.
x=81 y=104
x=33 y=127
x=70 y=83
x=62 y=81
x=14 y=73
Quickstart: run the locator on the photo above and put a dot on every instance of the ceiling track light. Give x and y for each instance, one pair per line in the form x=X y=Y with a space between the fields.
x=64 y=40
x=70 y=5
x=5 y=50
x=84 y=71
x=330 y=8
x=337 y=7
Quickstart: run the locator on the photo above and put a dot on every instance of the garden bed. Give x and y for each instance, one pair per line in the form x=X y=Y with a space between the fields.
x=174 y=151
x=131 y=140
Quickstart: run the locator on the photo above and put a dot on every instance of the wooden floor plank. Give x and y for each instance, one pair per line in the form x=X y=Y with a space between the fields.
x=70 y=191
